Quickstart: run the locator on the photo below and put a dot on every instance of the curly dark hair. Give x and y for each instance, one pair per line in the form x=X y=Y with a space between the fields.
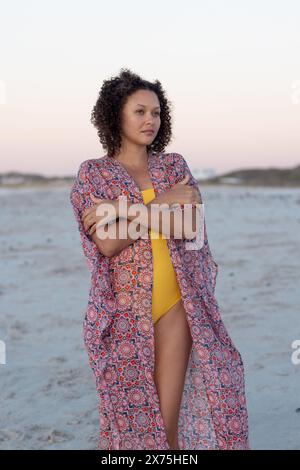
x=106 y=114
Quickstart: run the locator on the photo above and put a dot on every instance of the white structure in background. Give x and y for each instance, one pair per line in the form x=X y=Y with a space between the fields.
x=12 y=179
x=203 y=173
x=231 y=180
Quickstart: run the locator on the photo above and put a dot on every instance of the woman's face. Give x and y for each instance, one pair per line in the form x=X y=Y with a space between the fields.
x=140 y=113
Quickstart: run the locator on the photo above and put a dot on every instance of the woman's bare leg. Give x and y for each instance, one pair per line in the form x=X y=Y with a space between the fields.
x=172 y=349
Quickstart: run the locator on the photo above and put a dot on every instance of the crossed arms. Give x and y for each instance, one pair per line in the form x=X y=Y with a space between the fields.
x=180 y=223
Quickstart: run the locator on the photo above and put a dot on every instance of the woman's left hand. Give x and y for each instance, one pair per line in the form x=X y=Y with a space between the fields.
x=89 y=217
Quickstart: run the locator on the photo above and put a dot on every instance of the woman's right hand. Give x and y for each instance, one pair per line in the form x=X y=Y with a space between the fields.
x=180 y=193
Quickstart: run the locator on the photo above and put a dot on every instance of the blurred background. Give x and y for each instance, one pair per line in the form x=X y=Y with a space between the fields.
x=232 y=72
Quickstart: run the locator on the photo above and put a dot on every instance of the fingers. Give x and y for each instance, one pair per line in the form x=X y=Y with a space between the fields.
x=197 y=197
x=88 y=210
x=88 y=222
x=185 y=179
x=95 y=199
x=92 y=229
x=87 y=218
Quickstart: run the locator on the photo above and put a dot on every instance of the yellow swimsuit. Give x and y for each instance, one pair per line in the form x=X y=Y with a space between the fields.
x=166 y=290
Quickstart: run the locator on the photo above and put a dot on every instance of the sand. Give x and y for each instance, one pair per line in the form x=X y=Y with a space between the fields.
x=47 y=391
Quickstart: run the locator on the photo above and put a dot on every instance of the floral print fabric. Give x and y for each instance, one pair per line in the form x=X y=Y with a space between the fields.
x=119 y=333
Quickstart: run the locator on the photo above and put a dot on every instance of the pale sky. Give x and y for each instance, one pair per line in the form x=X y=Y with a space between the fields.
x=231 y=69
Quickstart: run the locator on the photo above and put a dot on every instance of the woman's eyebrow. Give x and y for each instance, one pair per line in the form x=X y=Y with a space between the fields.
x=138 y=104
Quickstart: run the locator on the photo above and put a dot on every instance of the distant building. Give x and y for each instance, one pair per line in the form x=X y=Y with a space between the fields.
x=231 y=180
x=203 y=173
x=12 y=179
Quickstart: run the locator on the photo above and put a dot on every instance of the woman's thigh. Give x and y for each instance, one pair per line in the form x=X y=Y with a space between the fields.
x=172 y=349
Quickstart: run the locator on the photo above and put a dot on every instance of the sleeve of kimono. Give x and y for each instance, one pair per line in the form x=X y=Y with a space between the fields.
x=183 y=169
x=80 y=199
x=209 y=265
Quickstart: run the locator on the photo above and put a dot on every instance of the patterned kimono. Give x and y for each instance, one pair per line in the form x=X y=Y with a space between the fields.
x=119 y=332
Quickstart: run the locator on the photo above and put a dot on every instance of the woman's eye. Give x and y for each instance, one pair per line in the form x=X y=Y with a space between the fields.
x=141 y=111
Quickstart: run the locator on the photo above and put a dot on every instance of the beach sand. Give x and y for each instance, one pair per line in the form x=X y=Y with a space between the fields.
x=47 y=392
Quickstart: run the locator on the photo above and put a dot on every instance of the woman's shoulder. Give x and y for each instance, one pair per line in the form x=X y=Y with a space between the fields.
x=91 y=168
x=91 y=163
x=173 y=162
x=91 y=176
x=172 y=157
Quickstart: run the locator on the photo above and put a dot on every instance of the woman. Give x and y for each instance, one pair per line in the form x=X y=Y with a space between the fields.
x=168 y=375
